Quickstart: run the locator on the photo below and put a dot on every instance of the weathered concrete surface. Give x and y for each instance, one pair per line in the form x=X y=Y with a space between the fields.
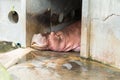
x=85 y=29
x=10 y=31
x=105 y=41
x=104 y=32
x=47 y=65
x=12 y=57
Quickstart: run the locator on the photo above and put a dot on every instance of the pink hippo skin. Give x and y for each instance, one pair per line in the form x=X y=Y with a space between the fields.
x=64 y=40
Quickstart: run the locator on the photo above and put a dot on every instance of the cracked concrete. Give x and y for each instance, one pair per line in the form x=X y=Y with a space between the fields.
x=110 y=16
x=103 y=31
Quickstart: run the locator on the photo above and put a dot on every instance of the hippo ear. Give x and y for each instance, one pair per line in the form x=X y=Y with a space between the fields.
x=52 y=33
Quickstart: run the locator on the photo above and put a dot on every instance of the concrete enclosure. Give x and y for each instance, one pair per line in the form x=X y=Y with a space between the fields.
x=100 y=34
x=51 y=15
x=20 y=19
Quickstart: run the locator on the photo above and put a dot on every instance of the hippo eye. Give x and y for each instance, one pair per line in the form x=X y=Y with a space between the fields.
x=59 y=38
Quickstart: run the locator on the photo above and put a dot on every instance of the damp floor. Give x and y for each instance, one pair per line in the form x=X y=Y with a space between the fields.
x=6 y=46
x=49 y=65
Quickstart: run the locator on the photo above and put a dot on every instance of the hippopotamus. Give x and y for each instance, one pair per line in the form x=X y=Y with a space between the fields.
x=66 y=39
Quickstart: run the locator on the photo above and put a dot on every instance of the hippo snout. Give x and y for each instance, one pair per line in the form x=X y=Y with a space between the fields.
x=39 y=41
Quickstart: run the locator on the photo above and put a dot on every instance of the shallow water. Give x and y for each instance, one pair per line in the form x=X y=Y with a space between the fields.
x=47 y=65
x=6 y=46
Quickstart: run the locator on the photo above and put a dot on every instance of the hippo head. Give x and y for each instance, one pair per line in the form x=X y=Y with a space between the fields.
x=39 y=41
x=52 y=41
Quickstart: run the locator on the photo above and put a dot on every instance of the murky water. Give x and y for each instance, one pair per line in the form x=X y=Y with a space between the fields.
x=7 y=46
x=47 y=65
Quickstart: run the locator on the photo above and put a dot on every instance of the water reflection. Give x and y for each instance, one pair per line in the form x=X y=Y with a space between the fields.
x=47 y=65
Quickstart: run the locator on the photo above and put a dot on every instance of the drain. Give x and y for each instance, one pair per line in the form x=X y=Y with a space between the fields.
x=13 y=16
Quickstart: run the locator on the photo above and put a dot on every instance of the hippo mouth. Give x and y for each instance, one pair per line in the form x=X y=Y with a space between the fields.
x=39 y=42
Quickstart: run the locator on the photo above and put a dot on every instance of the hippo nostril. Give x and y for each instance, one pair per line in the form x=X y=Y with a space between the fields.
x=33 y=43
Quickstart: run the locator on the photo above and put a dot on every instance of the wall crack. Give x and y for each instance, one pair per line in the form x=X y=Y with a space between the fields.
x=110 y=16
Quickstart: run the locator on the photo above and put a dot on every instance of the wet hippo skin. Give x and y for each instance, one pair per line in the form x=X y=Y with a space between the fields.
x=64 y=40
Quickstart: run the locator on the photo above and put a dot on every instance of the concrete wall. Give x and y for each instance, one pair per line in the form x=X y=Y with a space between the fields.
x=10 y=31
x=35 y=14
x=101 y=21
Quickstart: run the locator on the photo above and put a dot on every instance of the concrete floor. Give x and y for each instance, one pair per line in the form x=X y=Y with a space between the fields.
x=48 y=65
